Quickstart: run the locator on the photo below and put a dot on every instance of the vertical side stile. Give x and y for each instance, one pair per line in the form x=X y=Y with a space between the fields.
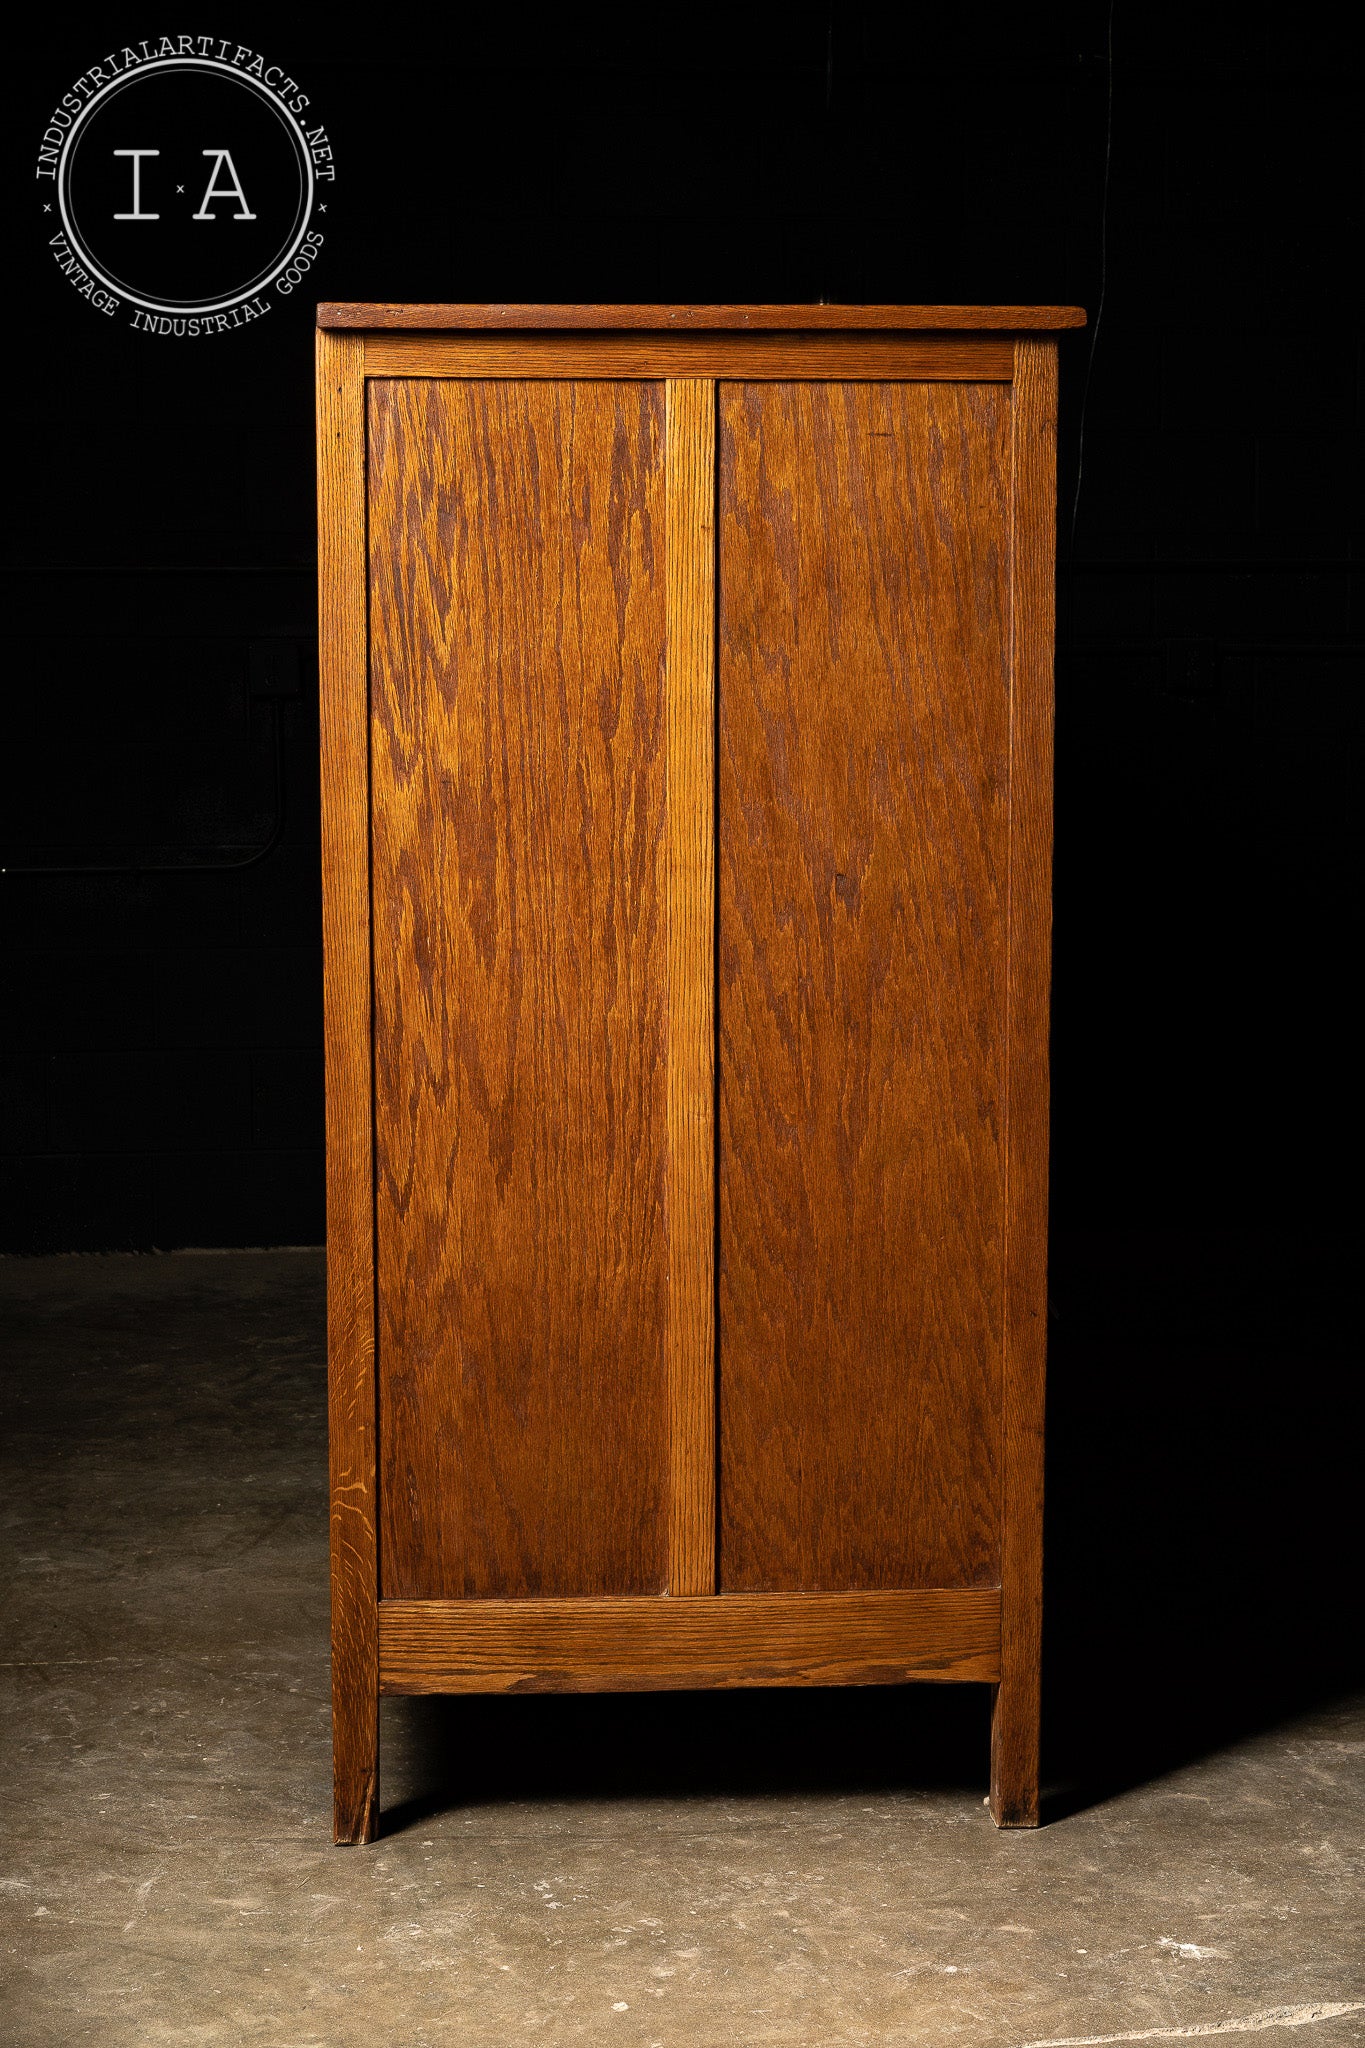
x=690 y=693
x=347 y=1039
x=1015 y=1724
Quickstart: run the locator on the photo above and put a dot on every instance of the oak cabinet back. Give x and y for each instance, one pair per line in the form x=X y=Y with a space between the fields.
x=687 y=727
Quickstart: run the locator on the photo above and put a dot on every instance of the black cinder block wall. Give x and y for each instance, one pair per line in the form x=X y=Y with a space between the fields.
x=161 y=1007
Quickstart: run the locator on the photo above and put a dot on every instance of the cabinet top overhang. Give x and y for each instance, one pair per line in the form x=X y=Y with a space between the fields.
x=848 y=319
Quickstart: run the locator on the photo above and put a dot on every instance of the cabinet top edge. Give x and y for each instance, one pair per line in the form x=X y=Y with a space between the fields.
x=994 y=319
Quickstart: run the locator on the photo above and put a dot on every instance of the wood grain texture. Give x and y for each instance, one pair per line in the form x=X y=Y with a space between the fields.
x=978 y=358
x=691 y=498
x=863 y=761
x=656 y=1645
x=1004 y=319
x=1015 y=1721
x=350 y=1161
x=517 y=552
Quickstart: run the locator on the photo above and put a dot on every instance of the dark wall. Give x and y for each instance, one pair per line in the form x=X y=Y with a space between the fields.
x=161 y=1061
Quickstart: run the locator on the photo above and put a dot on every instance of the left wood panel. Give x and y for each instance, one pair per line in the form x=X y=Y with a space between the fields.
x=518 y=626
x=350 y=1166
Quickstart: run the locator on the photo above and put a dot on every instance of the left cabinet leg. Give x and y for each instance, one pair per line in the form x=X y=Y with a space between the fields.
x=355 y=1758
x=1015 y=1751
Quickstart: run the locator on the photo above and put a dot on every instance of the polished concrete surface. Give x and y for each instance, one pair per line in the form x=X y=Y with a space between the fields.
x=748 y=1868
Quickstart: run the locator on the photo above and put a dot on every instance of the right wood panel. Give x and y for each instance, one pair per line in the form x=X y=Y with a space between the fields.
x=863 y=820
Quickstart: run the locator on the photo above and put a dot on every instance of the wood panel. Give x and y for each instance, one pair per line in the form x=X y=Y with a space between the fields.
x=972 y=358
x=1005 y=319
x=864 y=534
x=346 y=1035
x=656 y=1645
x=691 y=461
x=1015 y=1722
x=517 y=562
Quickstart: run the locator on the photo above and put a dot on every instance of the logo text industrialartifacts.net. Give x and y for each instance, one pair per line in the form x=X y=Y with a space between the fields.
x=183 y=183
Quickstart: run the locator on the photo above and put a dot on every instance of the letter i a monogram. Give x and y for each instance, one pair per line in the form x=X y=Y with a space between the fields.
x=212 y=191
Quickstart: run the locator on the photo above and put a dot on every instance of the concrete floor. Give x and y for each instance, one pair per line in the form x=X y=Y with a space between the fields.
x=788 y=1868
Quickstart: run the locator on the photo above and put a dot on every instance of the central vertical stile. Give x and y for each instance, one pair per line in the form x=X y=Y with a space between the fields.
x=690 y=777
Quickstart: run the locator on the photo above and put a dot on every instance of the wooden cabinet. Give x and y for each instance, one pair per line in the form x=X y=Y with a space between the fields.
x=687 y=703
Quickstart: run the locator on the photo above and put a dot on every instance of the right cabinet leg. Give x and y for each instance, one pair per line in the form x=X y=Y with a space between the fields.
x=1015 y=1752
x=355 y=1766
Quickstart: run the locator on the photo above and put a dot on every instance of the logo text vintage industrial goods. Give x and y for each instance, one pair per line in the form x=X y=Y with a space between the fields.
x=183 y=183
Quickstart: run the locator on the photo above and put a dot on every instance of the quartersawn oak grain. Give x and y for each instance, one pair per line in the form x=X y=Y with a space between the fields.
x=347 y=1044
x=517 y=564
x=691 y=688
x=1015 y=1721
x=864 y=705
x=655 y=1645
x=1002 y=319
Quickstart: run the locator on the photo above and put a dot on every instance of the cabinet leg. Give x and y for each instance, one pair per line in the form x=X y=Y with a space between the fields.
x=355 y=1766
x=1015 y=1752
